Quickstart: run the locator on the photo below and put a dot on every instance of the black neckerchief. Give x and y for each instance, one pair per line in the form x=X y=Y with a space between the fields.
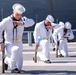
x=65 y=31
x=45 y=26
x=14 y=19
x=15 y=26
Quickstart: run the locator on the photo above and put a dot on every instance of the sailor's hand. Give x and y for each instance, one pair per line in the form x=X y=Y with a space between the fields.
x=64 y=37
x=2 y=46
x=19 y=23
x=57 y=44
x=37 y=45
x=50 y=27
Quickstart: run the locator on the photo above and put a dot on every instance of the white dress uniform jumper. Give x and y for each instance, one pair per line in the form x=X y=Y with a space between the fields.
x=42 y=37
x=63 y=48
x=13 y=40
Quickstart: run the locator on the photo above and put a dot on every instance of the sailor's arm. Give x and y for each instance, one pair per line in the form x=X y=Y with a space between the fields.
x=26 y=22
x=2 y=27
x=55 y=33
x=71 y=36
x=36 y=34
x=3 y=24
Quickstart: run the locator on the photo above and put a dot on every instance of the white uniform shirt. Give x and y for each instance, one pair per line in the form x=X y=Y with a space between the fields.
x=7 y=25
x=40 y=32
x=60 y=33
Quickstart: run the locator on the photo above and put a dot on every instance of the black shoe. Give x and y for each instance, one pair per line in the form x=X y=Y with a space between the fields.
x=5 y=66
x=16 y=70
x=60 y=55
x=53 y=49
x=47 y=61
x=33 y=59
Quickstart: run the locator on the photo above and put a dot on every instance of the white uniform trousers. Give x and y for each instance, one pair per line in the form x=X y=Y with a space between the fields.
x=16 y=55
x=45 y=54
x=63 y=49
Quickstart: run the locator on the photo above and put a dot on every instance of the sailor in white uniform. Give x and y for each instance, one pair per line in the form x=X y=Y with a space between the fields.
x=13 y=27
x=53 y=43
x=64 y=34
x=42 y=34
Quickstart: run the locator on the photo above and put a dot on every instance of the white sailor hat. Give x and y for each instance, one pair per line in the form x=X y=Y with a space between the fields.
x=68 y=25
x=18 y=8
x=50 y=18
x=61 y=23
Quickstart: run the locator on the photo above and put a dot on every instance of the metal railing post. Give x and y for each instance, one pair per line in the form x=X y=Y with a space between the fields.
x=29 y=38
